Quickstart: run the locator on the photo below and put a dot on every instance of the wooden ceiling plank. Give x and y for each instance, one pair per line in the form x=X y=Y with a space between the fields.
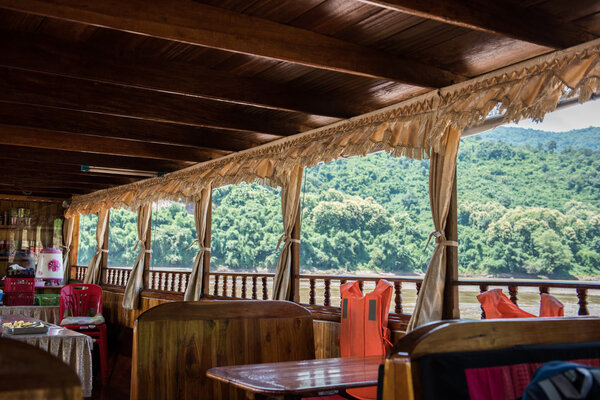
x=39 y=138
x=99 y=160
x=203 y=25
x=53 y=192
x=54 y=91
x=51 y=56
x=530 y=25
x=74 y=121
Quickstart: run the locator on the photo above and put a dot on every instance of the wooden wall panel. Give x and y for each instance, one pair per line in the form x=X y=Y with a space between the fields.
x=188 y=338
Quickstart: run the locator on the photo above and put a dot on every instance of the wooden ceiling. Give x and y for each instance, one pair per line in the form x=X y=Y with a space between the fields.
x=160 y=85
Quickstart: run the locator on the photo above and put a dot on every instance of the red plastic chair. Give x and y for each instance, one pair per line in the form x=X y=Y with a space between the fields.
x=80 y=299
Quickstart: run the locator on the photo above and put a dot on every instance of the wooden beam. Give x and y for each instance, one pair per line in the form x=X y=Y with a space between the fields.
x=34 y=194
x=70 y=172
x=74 y=121
x=82 y=95
x=43 y=184
x=20 y=136
x=191 y=22
x=99 y=160
x=43 y=54
x=500 y=18
x=49 y=175
x=27 y=191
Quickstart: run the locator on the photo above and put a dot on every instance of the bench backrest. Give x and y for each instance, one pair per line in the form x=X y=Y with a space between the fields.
x=176 y=343
x=463 y=344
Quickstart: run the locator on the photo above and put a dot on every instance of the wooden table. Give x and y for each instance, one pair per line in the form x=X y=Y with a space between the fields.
x=293 y=379
x=75 y=349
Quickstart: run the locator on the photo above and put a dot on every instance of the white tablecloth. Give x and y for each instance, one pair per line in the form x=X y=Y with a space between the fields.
x=43 y=313
x=74 y=348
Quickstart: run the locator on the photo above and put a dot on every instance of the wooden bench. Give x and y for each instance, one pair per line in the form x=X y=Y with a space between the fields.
x=434 y=358
x=27 y=372
x=176 y=343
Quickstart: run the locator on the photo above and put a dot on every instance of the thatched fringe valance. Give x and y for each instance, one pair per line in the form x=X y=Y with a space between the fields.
x=413 y=128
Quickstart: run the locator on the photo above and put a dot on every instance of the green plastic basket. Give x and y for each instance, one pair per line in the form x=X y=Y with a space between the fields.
x=47 y=299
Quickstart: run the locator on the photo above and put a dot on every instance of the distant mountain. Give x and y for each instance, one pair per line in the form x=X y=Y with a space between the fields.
x=577 y=138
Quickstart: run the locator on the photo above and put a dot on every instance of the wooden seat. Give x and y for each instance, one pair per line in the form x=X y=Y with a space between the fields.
x=176 y=343
x=457 y=346
x=27 y=372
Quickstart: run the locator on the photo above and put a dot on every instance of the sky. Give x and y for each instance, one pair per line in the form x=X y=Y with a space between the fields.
x=576 y=117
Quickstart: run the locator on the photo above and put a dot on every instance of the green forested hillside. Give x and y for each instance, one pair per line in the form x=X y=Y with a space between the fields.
x=523 y=209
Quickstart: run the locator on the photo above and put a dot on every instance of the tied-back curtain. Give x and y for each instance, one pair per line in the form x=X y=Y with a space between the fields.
x=93 y=274
x=441 y=179
x=290 y=200
x=195 y=287
x=135 y=283
x=67 y=240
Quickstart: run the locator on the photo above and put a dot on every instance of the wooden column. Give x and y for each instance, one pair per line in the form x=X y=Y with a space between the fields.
x=451 y=310
x=146 y=275
x=74 y=246
x=207 y=236
x=104 y=263
x=295 y=294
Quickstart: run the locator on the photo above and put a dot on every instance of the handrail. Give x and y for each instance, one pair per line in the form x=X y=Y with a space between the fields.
x=245 y=285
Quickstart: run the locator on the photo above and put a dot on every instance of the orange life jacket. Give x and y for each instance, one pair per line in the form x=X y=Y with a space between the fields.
x=551 y=307
x=364 y=330
x=496 y=305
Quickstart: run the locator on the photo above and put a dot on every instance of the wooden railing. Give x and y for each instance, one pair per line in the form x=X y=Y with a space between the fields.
x=318 y=281
x=116 y=276
x=320 y=290
x=580 y=289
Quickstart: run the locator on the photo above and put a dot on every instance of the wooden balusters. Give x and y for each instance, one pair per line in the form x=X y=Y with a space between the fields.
x=418 y=285
x=264 y=288
x=163 y=280
x=398 y=297
x=176 y=282
x=254 y=294
x=544 y=289
x=582 y=296
x=483 y=288
x=342 y=281
x=513 y=290
x=361 y=285
x=216 y=287
x=244 y=287
x=311 y=299
x=233 y=286
x=327 y=293
x=224 y=285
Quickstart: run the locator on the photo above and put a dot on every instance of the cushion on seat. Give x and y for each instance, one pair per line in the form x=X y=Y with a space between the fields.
x=97 y=319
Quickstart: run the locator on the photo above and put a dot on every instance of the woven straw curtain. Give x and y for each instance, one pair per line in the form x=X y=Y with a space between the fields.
x=195 y=287
x=441 y=178
x=135 y=283
x=93 y=274
x=290 y=200
x=67 y=240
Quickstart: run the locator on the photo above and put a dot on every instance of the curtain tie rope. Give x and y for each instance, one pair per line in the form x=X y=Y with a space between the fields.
x=285 y=239
x=103 y=250
x=440 y=239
